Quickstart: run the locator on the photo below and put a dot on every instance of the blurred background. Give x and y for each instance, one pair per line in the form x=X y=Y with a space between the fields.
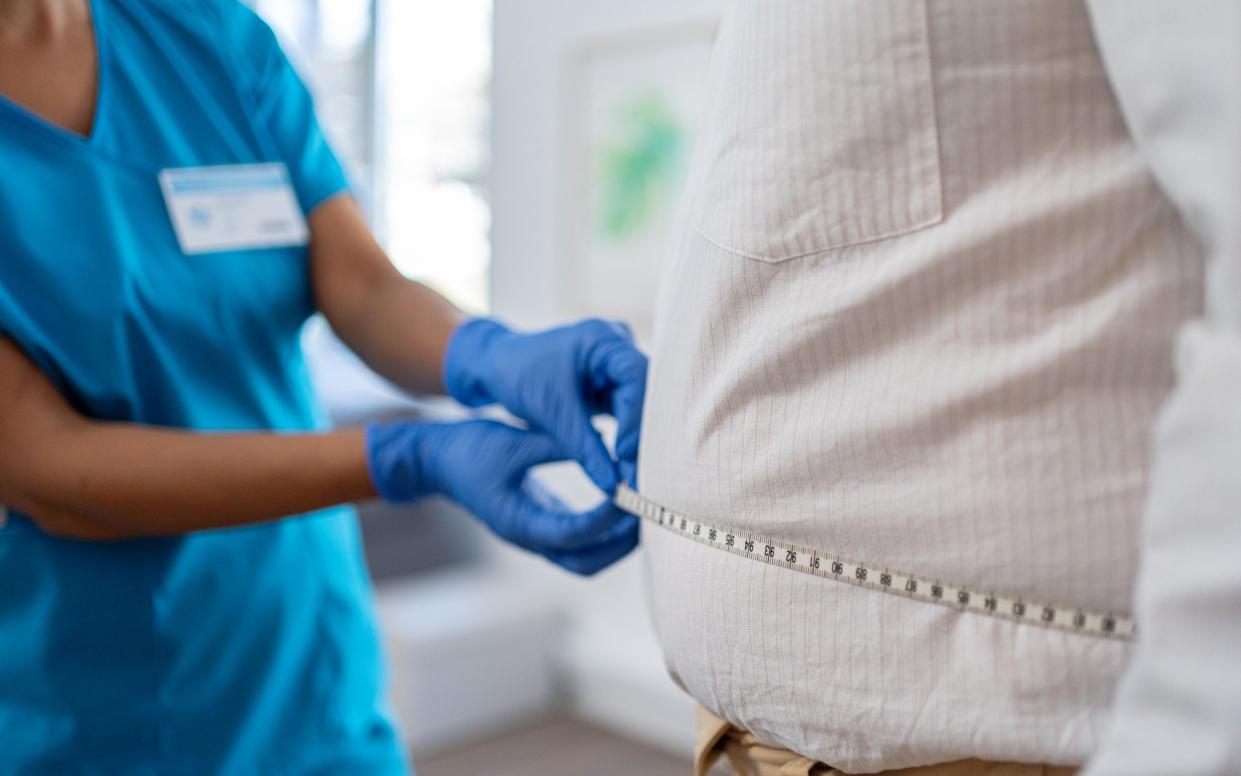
x=524 y=158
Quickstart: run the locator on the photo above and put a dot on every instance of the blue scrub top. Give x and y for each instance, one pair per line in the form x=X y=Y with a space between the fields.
x=249 y=650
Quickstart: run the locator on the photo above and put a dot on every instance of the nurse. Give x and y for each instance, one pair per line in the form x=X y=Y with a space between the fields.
x=170 y=215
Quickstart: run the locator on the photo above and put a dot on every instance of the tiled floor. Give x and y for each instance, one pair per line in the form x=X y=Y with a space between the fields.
x=557 y=747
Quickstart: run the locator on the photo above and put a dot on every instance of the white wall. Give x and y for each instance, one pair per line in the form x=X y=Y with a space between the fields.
x=612 y=657
x=531 y=41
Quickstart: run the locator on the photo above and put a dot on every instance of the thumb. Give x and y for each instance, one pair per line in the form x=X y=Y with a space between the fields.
x=580 y=440
x=527 y=449
x=626 y=369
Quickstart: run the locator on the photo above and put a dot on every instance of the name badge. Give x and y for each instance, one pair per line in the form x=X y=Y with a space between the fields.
x=233 y=207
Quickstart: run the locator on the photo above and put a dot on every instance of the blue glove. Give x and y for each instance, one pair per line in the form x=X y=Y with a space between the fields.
x=556 y=380
x=483 y=465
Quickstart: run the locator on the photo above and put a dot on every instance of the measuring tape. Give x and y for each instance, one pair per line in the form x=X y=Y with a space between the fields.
x=821 y=564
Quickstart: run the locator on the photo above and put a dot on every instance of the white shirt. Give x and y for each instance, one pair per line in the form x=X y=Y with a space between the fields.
x=921 y=313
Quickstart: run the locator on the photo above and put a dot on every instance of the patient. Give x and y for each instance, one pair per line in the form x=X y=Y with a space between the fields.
x=921 y=313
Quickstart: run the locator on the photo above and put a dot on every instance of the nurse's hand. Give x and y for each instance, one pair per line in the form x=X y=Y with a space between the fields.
x=484 y=466
x=556 y=380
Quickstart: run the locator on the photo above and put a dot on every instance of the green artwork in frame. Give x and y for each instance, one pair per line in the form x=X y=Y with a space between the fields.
x=639 y=174
x=632 y=109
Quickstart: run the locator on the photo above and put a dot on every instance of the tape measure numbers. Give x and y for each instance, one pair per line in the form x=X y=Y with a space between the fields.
x=869 y=575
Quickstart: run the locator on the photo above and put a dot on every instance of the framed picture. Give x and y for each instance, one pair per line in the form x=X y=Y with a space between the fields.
x=630 y=110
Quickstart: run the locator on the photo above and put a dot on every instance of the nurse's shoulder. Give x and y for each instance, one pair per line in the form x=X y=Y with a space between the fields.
x=224 y=20
x=227 y=33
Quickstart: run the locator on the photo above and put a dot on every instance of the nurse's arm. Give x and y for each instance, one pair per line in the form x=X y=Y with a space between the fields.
x=98 y=480
x=399 y=327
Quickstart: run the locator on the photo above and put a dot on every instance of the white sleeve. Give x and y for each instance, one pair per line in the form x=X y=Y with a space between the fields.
x=1176 y=70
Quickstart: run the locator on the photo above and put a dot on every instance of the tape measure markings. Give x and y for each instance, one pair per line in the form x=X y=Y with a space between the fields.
x=875 y=577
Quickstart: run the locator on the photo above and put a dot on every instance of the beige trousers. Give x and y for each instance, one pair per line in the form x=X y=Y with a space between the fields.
x=749 y=757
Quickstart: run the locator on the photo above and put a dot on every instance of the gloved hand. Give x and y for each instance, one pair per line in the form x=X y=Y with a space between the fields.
x=483 y=465
x=556 y=380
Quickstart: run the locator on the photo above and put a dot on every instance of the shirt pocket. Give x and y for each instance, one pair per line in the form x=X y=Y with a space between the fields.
x=821 y=132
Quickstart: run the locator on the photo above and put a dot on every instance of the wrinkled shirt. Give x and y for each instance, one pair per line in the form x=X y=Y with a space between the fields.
x=921 y=312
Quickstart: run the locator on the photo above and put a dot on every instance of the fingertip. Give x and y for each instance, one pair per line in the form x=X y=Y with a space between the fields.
x=558 y=530
x=593 y=456
x=574 y=564
x=628 y=538
x=579 y=566
x=629 y=472
x=604 y=476
x=627 y=445
x=623 y=329
x=626 y=525
x=584 y=445
x=626 y=364
x=590 y=560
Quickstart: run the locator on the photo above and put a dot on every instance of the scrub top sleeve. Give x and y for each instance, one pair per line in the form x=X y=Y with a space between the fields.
x=284 y=107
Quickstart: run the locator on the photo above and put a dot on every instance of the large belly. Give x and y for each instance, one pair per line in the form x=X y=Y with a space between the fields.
x=1009 y=458
x=921 y=315
x=897 y=420
x=883 y=409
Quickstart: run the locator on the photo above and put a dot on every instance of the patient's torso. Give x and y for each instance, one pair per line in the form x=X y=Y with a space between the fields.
x=920 y=313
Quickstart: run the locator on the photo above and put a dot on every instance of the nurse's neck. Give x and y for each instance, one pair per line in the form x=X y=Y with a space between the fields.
x=29 y=21
x=48 y=62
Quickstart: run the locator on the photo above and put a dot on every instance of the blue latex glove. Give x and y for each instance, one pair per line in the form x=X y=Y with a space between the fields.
x=484 y=466
x=556 y=380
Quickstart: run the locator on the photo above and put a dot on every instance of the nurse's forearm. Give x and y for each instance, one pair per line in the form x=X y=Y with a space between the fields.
x=93 y=479
x=400 y=328
x=111 y=480
x=402 y=334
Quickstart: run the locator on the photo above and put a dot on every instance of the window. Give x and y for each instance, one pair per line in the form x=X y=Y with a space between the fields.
x=402 y=91
x=437 y=74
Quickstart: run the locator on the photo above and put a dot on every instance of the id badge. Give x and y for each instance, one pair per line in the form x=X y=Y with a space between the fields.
x=233 y=207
